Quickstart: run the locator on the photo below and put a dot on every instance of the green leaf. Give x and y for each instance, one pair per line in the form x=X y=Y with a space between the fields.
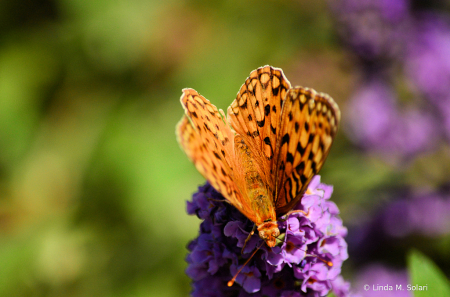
x=424 y=272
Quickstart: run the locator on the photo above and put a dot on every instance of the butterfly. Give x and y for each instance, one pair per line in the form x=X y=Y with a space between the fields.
x=262 y=156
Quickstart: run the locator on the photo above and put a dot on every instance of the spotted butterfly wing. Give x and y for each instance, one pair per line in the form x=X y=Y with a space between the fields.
x=209 y=143
x=308 y=125
x=255 y=114
x=281 y=138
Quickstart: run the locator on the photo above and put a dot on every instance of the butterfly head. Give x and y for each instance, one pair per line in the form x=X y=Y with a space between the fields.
x=269 y=232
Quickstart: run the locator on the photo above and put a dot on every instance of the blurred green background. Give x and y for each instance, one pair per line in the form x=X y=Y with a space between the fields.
x=93 y=183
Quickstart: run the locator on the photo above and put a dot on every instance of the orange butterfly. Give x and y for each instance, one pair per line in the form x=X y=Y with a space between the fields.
x=280 y=138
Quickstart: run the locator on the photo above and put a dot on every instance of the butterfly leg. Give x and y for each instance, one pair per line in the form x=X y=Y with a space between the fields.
x=248 y=238
x=217 y=200
x=286 y=216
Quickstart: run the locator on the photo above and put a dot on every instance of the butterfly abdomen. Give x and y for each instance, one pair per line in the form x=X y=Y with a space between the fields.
x=260 y=200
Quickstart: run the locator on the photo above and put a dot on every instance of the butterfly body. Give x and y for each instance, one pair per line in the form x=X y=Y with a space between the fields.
x=261 y=200
x=263 y=155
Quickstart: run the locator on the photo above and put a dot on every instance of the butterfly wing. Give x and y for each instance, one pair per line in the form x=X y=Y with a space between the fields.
x=208 y=142
x=255 y=115
x=288 y=131
x=308 y=125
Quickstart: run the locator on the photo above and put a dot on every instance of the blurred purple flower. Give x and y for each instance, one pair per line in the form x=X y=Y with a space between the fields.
x=295 y=267
x=375 y=123
x=373 y=280
x=428 y=59
x=424 y=215
x=403 y=219
x=428 y=62
x=389 y=35
x=373 y=29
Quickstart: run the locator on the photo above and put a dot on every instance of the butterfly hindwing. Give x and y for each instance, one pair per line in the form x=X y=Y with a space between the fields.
x=308 y=125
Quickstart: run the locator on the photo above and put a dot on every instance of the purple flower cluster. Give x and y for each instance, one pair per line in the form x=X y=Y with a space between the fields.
x=376 y=123
x=300 y=265
x=371 y=28
x=403 y=57
x=422 y=215
x=428 y=63
x=408 y=219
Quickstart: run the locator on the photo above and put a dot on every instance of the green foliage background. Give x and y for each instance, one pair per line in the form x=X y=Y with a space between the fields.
x=93 y=185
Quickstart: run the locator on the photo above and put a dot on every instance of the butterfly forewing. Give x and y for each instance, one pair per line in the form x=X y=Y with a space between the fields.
x=255 y=114
x=209 y=143
x=308 y=125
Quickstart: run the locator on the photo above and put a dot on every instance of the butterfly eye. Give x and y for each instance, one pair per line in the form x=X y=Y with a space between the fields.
x=262 y=234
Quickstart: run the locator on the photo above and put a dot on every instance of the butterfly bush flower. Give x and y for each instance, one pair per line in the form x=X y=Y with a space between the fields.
x=372 y=29
x=403 y=55
x=306 y=262
x=423 y=215
x=428 y=63
x=376 y=122
x=414 y=219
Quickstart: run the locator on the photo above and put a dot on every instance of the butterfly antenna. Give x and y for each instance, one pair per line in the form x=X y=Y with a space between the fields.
x=329 y=263
x=248 y=238
x=231 y=282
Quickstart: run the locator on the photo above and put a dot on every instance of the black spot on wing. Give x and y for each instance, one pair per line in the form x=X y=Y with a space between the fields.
x=275 y=91
x=322 y=148
x=300 y=167
x=300 y=149
x=303 y=179
x=285 y=139
x=287 y=186
x=261 y=123
x=223 y=172
x=273 y=129
x=266 y=110
x=289 y=158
